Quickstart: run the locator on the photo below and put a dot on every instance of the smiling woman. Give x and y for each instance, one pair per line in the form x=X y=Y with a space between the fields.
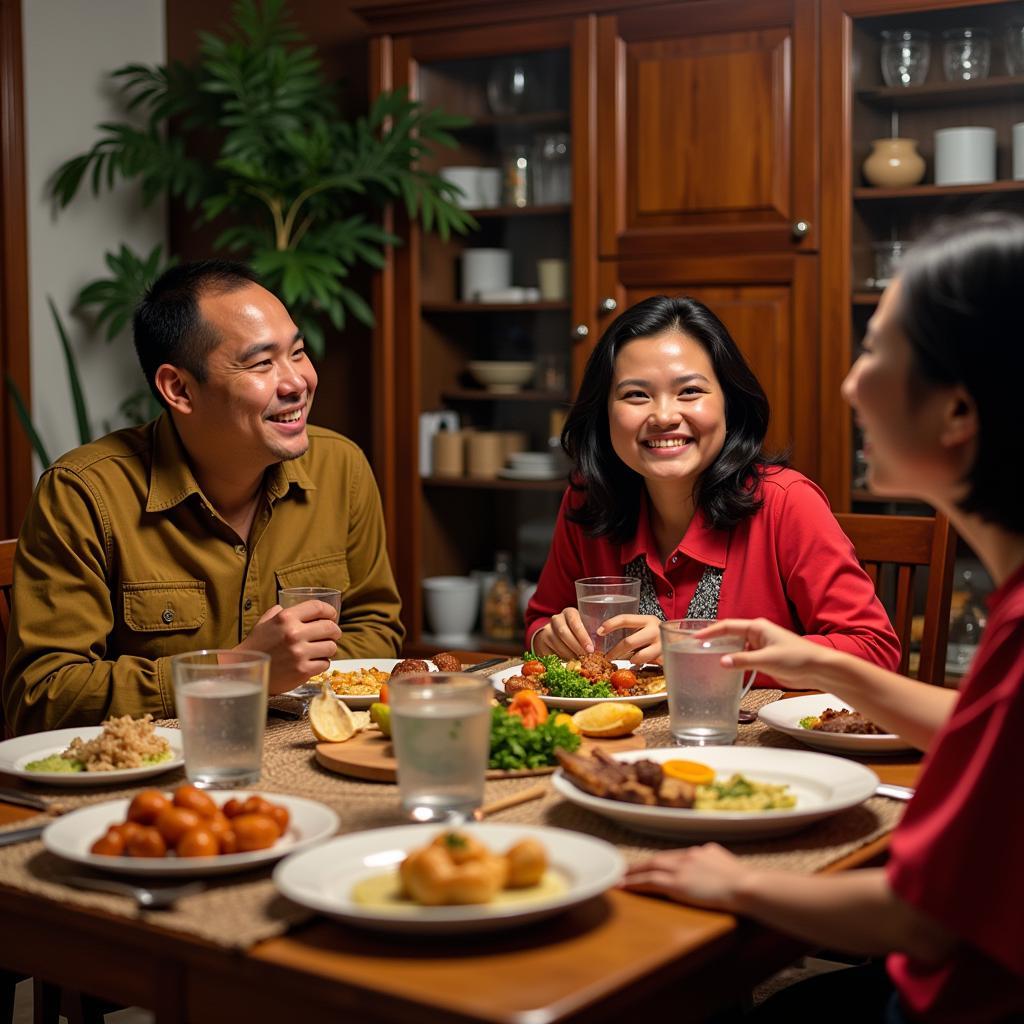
x=672 y=486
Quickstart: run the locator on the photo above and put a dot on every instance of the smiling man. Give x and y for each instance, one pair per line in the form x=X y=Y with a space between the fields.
x=175 y=536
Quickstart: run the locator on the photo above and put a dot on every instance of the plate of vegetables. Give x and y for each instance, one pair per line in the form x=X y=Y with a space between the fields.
x=579 y=684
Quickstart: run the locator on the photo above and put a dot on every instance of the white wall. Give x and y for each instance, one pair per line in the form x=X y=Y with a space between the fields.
x=70 y=48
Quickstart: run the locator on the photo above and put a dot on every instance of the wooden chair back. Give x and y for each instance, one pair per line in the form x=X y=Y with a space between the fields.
x=908 y=543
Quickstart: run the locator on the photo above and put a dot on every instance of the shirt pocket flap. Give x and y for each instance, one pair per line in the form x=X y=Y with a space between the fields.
x=330 y=570
x=164 y=606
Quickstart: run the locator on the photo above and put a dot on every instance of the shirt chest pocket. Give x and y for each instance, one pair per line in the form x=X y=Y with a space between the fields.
x=330 y=570
x=165 y=606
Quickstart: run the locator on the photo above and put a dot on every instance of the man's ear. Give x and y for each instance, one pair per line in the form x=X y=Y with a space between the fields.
x=959 y=419
x=176 y=386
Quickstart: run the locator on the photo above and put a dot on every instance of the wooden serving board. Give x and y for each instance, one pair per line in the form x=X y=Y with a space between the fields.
x=369 y=756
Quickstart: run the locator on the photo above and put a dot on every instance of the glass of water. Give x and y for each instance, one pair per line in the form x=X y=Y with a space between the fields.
x=289 y=597
x=441 y=733
x=966 y=54
x=703 y=697
x=221 y=697
x=600 y=598
x=906 y=54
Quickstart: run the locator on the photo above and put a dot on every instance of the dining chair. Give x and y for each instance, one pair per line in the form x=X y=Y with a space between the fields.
x=892 y=549
x=6 y=582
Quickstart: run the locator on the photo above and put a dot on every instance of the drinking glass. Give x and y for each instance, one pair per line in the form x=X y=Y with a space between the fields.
x=966 y=54
x=1013 y=40
x=221 y=698
x=600 y=598
x=441 y=733
x=703 y=697
x=289 y=597
x=906 y=54
x=552 y=169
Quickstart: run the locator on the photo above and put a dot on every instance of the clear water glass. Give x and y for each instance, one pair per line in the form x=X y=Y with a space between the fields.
x=906 y=54
x=441 y=733
x=221 y=700
x=289 y=597
x=703 y=697
x=966 y=54
x=552 y=169
x=1013 y=44
x=599 y=598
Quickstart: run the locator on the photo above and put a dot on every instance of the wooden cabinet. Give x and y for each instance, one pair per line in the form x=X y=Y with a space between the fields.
x=860 y=220
x=708 y=128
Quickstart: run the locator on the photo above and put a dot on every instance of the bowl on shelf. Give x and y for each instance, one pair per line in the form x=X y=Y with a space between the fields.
x=502 y=376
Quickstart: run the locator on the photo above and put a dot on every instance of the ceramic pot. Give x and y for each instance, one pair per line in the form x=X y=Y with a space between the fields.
x=894 y=163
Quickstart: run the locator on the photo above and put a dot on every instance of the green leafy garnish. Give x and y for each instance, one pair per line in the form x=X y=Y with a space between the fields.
x=513 y=746
x=810 y=722
x=563 y=682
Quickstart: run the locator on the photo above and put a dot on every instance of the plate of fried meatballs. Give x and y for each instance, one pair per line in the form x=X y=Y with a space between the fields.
x=358 y=680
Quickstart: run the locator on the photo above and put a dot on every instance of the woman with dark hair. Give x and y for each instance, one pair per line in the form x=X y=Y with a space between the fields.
x=936 y=391
x=672 y=486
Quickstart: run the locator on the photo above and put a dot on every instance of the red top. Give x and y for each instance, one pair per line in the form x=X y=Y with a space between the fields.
x=958 y=854
x=790 y=562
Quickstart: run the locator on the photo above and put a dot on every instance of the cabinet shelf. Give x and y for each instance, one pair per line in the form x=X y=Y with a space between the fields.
x=864 y=298
x=945 y=94
x=494 y=483
x=495 y=307
x=481 y=395
x=862 y=497
x=486 y=122
x=936 y=191
x=536 y=210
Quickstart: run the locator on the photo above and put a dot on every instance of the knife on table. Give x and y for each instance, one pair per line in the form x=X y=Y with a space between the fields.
x=20 y=835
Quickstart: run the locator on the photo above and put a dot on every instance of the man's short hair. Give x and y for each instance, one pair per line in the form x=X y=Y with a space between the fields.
x=168 y=327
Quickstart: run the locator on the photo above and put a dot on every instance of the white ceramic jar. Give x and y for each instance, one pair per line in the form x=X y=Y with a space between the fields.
x=965 y=155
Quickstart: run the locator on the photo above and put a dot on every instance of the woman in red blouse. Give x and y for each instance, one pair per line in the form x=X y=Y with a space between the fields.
x=937 y=392
x=672 y=486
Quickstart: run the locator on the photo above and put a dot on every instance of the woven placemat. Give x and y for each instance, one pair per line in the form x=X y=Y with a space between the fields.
x=238 y=911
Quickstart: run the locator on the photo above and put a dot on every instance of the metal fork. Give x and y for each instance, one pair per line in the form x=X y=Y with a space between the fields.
x=147 y=897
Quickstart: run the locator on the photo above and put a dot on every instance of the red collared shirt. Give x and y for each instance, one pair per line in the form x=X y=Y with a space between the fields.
x=789 y=562
x=957 y=854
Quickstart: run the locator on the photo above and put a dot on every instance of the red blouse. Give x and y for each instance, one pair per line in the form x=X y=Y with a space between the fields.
x=790 y=562
x=957 y=855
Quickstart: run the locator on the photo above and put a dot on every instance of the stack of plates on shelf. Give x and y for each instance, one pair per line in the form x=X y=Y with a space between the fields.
x=533 y=466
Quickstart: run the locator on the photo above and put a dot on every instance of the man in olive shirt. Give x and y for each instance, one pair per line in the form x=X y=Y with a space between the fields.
x=176 y=535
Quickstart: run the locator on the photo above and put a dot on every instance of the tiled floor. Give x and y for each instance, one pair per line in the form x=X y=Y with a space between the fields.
x=23 y=1010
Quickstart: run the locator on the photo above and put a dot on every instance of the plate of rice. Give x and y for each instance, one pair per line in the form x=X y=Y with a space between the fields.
x=357 y=681
x=118 y=751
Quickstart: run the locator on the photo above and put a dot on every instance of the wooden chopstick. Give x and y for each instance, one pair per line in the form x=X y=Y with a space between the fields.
x=514 y=800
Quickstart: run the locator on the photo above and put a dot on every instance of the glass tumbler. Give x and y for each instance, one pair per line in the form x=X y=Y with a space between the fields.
x=600 y=598
x=221 y=700
x=966 y=53
x=552 y=169
x=1013 y=42
x=906 y=54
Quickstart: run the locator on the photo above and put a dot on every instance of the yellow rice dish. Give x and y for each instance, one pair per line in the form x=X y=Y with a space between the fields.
x=738 y=793
x=364 y=682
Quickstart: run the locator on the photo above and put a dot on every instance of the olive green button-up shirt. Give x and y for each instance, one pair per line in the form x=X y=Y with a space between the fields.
x=123 y=562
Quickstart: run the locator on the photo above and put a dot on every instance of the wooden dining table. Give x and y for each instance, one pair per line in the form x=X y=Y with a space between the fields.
x=621 y=953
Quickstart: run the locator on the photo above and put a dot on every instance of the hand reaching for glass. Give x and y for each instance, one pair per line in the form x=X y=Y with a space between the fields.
x=301 y=640
x=771 y=649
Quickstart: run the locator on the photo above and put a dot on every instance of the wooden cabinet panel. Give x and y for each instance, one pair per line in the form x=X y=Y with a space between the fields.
x=708 y=127
x=769 y=305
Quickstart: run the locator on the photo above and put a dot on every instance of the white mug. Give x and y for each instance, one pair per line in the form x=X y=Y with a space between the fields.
x=965 y=156
x=488 y=186
x=1018 y=151
x=468 y=180
x=485 y=270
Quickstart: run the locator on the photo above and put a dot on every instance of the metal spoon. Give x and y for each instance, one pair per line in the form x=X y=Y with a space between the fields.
x=148 y=898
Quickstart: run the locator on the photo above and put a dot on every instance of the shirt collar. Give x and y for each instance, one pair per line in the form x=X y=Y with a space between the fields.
x=702 y=541
x=171 y=480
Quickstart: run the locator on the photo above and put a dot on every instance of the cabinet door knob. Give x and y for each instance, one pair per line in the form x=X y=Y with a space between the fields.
x=581 y=330
x=801 y=228
x=608 y=305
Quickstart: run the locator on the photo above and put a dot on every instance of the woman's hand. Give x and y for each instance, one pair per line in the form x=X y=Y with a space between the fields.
x=705 y=876
x=564 y=635
x=642 y=645
x=771 y=649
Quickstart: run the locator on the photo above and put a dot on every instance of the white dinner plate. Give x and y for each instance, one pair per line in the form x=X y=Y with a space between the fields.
x=785 y=715
x=16 y=753
x=577 y=703
x=822 y=785
x=71 y=836
x=306 y=690
x=323 y=878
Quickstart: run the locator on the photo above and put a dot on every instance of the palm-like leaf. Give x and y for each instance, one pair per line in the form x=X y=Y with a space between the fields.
x=115 y=298
x=26 y=423
x=75 y=381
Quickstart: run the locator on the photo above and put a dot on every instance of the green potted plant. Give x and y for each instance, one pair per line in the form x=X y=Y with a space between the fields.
x=299 y=187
